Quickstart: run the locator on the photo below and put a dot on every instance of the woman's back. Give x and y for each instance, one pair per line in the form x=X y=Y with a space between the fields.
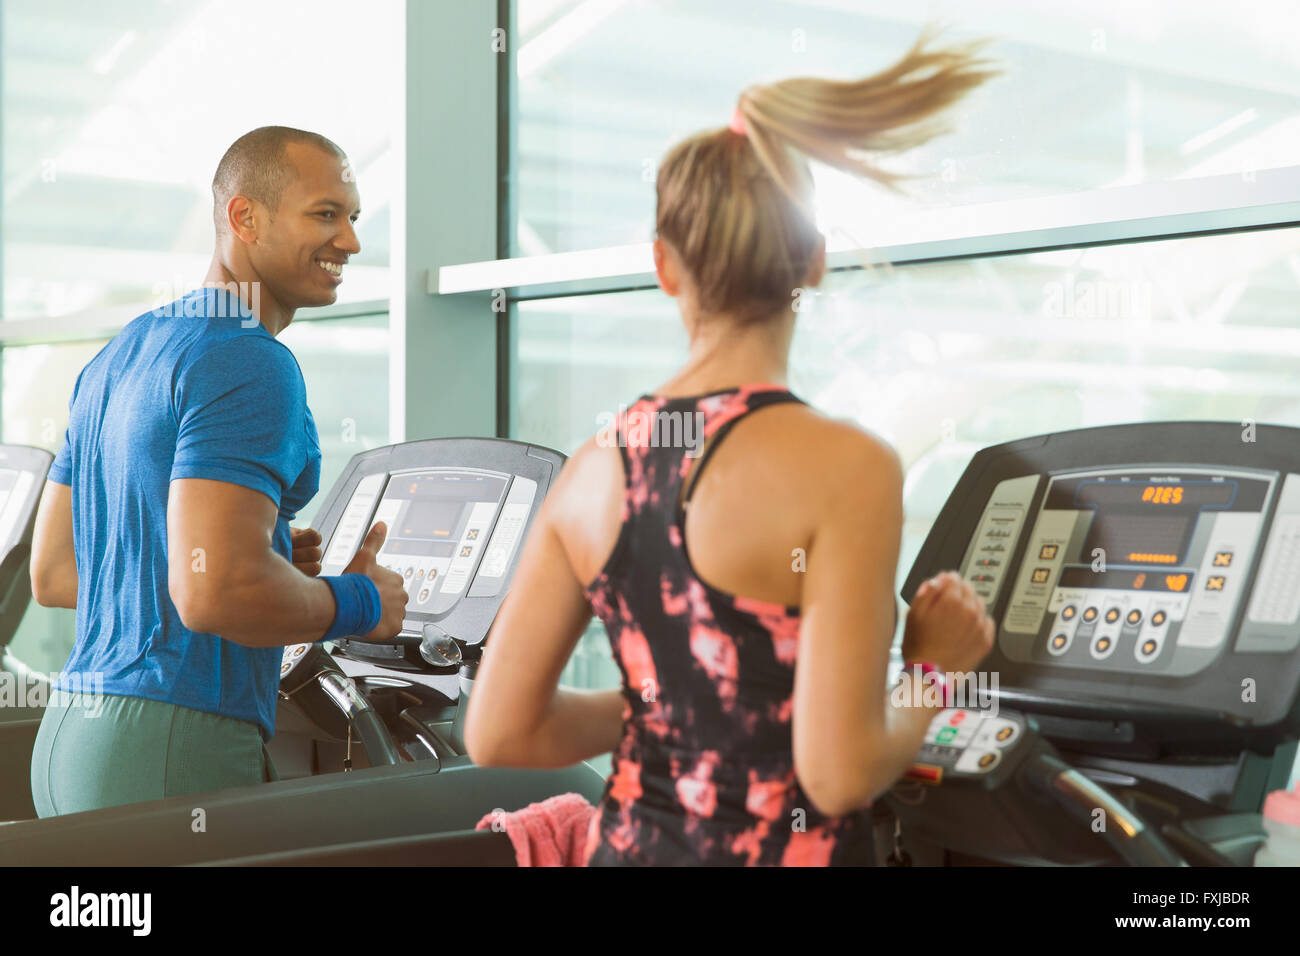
x=705 y=771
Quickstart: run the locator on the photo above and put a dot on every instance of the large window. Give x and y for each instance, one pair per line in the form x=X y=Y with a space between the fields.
x=350 y=419
x=1097 y=93
x=948 y=356
x=115 y=116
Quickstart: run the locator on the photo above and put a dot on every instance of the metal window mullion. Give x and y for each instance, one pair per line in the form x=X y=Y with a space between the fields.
x=507 y=142
x=442 y=364
x=105 y=323
x=1267 y=199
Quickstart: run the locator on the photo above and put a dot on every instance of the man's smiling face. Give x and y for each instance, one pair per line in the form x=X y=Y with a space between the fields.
x=306 y=242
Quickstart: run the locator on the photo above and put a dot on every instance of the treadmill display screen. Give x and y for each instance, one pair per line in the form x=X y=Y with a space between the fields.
x=438 y=523
x=1143 y=522
x=1140 y=538
x=1147 y=496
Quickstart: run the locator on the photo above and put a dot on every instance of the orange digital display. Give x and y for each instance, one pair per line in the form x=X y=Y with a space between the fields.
x=1081 y=576
x=1163 y=494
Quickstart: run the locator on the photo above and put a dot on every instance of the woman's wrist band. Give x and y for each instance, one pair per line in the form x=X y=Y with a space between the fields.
x=358 y=608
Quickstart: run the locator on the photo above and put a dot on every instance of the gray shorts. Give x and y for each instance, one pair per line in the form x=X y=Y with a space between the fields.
x=95 y=751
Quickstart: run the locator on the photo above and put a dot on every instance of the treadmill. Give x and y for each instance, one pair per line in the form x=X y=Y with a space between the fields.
x=22 y=480
x=1144 y=581
x=22 y=691
x=369 y=739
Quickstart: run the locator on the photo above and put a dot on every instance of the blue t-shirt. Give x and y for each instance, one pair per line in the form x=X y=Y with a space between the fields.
x=195 y=389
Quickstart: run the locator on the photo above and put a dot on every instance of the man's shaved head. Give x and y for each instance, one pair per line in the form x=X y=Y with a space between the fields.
x=257 y=165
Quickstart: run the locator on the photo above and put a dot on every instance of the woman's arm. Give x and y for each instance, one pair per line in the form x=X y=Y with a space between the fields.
x=849 y=744
x=851 y=741
x=518 y=717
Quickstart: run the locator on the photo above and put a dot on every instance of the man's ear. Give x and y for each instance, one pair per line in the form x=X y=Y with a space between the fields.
x=666 y=269
x=241 y=217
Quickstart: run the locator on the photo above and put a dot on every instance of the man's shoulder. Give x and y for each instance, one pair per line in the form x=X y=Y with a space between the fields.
x=240 y=354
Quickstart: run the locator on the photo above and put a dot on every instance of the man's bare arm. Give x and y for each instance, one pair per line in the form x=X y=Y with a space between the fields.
x=54 y=562
x=226 y=578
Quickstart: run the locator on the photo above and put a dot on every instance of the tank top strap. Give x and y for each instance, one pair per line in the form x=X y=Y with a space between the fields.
x=722 y=412
x=661 y=440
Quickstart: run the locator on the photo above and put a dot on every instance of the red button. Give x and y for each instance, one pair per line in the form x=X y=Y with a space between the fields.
x=957 y=718
x=925 y=773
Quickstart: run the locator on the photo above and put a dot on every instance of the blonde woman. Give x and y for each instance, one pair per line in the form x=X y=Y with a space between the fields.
x=746 y=585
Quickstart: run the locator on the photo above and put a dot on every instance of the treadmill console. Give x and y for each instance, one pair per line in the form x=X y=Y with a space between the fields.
x=456 y=511
x=1153 y=561
x=1150 y=572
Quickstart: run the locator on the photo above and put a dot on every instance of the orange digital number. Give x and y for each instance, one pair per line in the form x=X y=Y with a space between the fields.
x=1163 y=494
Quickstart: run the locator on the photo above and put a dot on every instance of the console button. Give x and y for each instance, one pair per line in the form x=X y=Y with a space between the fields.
x=997 y=733
x=924 y=772
x=1103 y=647
x=1112 y=615
x=1157 y=618
x=1134 y=617
x=1090 y=614
x=978 y=761
x=1068 y=612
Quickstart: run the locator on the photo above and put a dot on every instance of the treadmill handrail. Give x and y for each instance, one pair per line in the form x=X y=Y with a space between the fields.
x=1114 y=710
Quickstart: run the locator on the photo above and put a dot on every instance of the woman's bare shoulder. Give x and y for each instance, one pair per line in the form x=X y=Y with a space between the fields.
x=824 y=442
x=594 y=470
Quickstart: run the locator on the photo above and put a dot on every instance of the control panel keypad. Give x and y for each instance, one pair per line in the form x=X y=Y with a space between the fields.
x=964 y=742
x=1104 y=620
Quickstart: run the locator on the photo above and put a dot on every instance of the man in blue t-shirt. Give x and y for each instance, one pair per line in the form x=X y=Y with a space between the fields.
x=165 y=519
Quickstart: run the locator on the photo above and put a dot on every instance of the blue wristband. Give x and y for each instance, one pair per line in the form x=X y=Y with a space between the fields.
x=359 y=608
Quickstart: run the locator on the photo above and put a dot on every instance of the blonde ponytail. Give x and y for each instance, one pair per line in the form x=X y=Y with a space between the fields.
x=737 y=207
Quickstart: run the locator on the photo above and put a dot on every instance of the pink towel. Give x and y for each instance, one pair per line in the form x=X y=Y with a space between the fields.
x=550 y=833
